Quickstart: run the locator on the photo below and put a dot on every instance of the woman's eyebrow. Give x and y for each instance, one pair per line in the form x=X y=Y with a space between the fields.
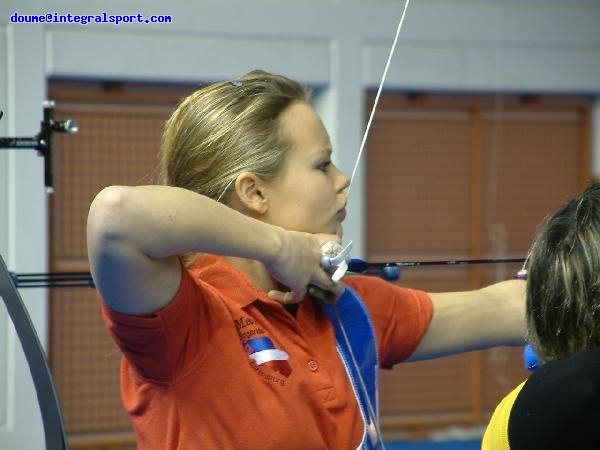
x=326 y=151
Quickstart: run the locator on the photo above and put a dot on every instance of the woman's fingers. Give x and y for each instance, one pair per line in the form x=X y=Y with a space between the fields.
x=287 y=298
x=321 y=287
x=329 y=294
x=298 y=265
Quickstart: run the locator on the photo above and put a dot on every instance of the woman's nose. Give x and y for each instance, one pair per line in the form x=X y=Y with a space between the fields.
x=344 y=180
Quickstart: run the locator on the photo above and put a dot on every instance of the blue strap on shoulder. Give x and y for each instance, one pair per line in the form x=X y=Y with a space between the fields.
x=353 y=326
x=530 y=358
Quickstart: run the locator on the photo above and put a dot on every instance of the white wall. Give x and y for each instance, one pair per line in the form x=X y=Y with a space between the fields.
x=23 y=225
x=340 y=46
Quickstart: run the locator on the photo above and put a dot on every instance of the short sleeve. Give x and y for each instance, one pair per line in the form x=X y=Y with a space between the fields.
x=160 y=346
x=400 y=316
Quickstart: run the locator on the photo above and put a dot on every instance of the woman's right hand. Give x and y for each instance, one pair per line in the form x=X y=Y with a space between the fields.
x=135 y=234
x=297 y=264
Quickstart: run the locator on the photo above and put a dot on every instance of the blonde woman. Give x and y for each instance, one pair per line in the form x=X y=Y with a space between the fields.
x=204 y=285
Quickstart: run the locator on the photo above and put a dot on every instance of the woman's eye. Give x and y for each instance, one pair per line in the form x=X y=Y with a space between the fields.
x=324 y=166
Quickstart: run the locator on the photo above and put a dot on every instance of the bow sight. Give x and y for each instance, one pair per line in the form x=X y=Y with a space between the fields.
x=42 y=142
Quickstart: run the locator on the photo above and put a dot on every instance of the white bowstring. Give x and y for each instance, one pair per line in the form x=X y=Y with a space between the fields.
x=370 y=408
x=379 y=89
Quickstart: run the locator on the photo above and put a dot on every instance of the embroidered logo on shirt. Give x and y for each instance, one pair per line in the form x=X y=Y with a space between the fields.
x=262 y=350
x=270 y=362
x=263 y=353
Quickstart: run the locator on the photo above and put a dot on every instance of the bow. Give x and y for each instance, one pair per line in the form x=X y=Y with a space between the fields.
x=336 y=258
x=54 y=427
x=388 y=270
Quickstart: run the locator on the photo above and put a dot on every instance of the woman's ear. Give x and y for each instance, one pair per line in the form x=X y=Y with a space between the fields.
x=251 y=193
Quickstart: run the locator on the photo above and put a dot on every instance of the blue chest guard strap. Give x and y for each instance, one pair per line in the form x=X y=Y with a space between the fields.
x=355 y=337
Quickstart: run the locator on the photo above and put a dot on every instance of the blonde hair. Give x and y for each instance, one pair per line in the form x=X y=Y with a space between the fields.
x=227 y=128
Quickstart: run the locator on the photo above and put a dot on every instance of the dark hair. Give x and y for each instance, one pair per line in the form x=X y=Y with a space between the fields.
x=563 y=286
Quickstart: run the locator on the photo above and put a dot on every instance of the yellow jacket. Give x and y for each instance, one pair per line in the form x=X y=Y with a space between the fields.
x=496 y=433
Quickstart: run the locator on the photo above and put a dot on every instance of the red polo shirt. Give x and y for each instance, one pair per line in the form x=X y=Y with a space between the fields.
x=189 y=379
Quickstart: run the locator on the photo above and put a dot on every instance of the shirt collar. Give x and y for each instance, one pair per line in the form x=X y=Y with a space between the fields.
x=228 y=280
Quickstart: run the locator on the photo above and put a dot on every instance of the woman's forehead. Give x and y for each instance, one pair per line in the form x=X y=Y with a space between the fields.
x=305 y=129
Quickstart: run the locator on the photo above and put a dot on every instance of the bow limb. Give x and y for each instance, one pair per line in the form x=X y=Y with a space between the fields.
x=54 y=428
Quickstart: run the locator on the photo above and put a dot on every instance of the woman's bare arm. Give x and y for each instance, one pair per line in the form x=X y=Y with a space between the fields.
x=134 y=235
x=483 y=318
